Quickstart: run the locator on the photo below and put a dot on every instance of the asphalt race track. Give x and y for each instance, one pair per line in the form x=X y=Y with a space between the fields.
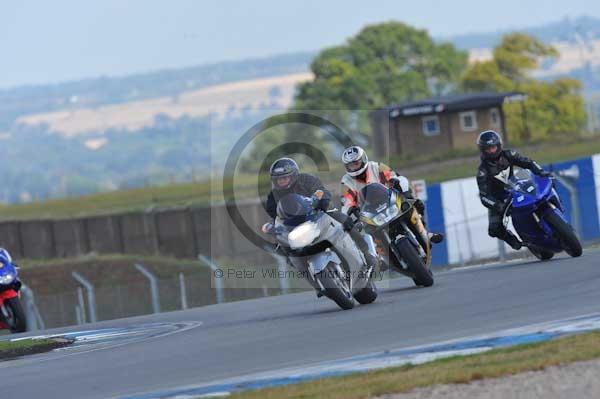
x=233 y=339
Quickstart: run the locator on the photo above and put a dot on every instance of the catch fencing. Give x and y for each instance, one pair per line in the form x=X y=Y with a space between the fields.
x=96 y=299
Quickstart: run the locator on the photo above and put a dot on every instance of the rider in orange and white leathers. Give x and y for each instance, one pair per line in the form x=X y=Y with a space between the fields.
x=360 y=172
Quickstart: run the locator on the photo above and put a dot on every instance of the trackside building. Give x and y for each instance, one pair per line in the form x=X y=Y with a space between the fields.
x=439 y=124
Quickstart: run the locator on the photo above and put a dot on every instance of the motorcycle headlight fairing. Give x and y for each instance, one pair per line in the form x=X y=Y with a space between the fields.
x=7 y=279
x=386 y=215
x=303 y=235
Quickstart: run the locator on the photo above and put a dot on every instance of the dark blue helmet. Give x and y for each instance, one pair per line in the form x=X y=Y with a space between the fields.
x=490 y=145
x=5 y=257
x=284 y=167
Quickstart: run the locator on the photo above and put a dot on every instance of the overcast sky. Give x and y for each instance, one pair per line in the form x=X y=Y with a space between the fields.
x=47 y=41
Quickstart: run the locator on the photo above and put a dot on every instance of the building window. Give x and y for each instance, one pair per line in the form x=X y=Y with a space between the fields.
x=494 y=117
x=431 y=125
x=468 y=121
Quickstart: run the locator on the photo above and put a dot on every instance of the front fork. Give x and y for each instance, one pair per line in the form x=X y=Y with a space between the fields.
x=4 y=295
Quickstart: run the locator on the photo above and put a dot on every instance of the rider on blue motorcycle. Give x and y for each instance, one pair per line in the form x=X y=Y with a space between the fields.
x=496 y=165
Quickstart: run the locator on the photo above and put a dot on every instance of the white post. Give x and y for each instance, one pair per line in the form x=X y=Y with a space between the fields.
x=78 y=315
x=90 y=293
x=153 y=287
x=184 y=304
x=284 y=282
x=501 y=251
x=217 y=277
x=34 y=320
x=81 y=305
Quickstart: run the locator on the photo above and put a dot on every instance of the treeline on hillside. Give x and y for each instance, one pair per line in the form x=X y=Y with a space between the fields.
x=42 y=165
x=110 y=90
x=571 y=30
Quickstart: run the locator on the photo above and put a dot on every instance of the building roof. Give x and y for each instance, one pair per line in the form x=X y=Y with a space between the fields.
x=454 y=103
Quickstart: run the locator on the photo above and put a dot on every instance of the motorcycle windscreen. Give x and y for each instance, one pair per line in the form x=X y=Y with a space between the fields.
x=524 y=188
x=374 y=197
x=294 y=209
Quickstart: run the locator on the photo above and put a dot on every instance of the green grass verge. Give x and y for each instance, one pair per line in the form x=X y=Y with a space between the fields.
x=10 y=349
x=22 y=344
x=433 y=168
x=453 y=370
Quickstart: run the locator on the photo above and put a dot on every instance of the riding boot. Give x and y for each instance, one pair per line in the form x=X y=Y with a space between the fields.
x=436 y=238
x=512 y=240
x=371 y=260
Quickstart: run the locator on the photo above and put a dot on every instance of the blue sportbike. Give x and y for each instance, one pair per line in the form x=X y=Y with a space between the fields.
x=538 y=216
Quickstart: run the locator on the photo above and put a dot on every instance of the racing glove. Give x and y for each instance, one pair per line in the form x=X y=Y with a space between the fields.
x=501 y=206
x=538 y=170
x=420 y=206
x=396 y=185
x=350 y=222
x=268 y=227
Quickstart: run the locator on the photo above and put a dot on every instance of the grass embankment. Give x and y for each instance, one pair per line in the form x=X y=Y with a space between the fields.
x=433 y=168
x=454 y=370
x=54 y=276
x=110 y=259
x=12 y=349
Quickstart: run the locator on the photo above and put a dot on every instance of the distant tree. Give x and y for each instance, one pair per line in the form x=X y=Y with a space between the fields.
x=384 y=63
x=551 y=107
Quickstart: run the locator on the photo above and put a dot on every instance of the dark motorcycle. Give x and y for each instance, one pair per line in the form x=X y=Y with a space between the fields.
x=397 y=228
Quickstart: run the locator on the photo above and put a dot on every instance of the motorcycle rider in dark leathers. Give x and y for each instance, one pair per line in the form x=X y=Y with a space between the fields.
x=497 y=164
x=287 y=179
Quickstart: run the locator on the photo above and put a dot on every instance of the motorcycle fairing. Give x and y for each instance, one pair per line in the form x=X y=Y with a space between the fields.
x=318 y=262
x=535 y=195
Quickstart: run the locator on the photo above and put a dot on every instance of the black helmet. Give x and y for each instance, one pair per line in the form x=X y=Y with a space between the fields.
x=488 y=140
x=284 y=167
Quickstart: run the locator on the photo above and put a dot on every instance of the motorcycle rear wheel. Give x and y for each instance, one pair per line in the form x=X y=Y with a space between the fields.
x=366 y=295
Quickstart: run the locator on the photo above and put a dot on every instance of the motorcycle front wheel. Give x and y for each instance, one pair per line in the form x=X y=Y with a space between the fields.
x=336 y=287
x=542 y=254
x=422 y=275
x=565 y=234
x=15 y=316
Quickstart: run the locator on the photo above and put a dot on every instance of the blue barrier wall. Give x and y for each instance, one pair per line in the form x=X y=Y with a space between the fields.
x=435 y=222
